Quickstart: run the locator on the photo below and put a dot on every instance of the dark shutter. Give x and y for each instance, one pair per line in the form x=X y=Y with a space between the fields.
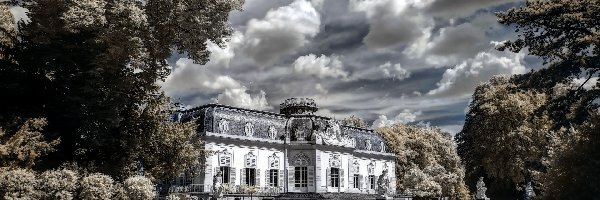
x=291 y=177
x=328 y=177
x=311 y=176
x=243 y=176
x=281 y=177
x=342 y=178
x=257 y=177
x=232 y=175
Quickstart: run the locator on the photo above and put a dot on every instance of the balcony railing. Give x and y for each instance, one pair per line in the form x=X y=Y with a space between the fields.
x=227 y=189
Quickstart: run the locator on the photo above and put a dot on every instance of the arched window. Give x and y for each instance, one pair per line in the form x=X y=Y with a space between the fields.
x=249 y=129
x=272 y=133
x=223 y=126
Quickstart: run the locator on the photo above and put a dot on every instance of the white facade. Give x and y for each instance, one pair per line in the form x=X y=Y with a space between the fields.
x=294 y=152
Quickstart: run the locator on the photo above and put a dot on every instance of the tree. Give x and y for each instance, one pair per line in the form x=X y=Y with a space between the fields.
x=90 y=68
x=23 y=147
x=355 y=122
x=18 y=184
x=565 y=35
x=503 y=138
x=427 y=164
x=58 y=184
x=139 y=188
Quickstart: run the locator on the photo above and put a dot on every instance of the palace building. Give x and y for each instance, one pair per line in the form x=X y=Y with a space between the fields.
x=293 y=154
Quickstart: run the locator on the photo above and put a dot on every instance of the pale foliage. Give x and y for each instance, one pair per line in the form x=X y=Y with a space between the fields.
x=96 y=187
x=355 y=122
x=82 y=14
x=18 y=184
x=23 y=147
x=139 y=188
x=7 y=27
x=59 y=184
x=427 y=164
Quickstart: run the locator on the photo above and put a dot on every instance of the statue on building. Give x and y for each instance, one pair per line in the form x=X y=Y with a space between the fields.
x=480 y=194
x=529 y=193
x=383 y=183
x=217 y=187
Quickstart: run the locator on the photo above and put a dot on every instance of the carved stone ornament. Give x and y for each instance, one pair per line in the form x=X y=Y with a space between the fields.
x=272 y=133
x=250 y=160
x=382 y=144
x=371 y=168
x=331 y=134
x=356 y=166
x=223 y=126
x=301 y=159
x=224 y=158
x=368 y=145
x=335 y=161
x=274 y=161
x=249 y=129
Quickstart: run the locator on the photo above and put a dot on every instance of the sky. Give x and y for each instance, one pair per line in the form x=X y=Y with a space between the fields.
x=386 y=61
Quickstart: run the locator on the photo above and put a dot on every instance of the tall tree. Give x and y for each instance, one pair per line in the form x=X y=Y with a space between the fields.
x=503 y=138
x=427 y=164
x=91 y=66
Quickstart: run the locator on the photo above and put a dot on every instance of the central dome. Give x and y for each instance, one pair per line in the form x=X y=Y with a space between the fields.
x=298 y=106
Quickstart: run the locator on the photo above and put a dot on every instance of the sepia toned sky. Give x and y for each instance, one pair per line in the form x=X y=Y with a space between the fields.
x=385 y=61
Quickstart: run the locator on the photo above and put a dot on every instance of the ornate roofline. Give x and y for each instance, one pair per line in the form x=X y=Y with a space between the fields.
x=268 y=113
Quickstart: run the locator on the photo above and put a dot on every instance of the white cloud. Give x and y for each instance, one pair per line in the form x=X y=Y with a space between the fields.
x=239 y=97
x=384 y=71
x=588 y=85
x=19 y=13
x=406 y=116
x=282 y=31
x=222 y=56
x=393 y=22
x=462 y=79
x=322 y=66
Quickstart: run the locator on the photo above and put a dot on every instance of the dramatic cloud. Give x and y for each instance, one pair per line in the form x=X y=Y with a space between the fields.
x=383 y=71
x=281 y=32
x=462 y=79
x=462 y=8
x=321 y=66
x=406 y=116
x=240 y=98
x=393 y=22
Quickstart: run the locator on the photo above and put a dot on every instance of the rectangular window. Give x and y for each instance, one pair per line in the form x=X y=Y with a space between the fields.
x=301 y=176
x=250 y=178
x=273 y=177
x=372 y=182
x=335 y=177
x=225 y=171
x=356 y=181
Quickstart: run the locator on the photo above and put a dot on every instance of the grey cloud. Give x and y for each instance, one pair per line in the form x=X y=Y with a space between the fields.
x=462 y=8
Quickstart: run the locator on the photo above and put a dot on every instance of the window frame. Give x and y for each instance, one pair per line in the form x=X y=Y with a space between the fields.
x=250 y=176
x=274 y=178
x=225 y=174
x=372 y=182
x=356 y=179
x=335 y=177
x=301 y=177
